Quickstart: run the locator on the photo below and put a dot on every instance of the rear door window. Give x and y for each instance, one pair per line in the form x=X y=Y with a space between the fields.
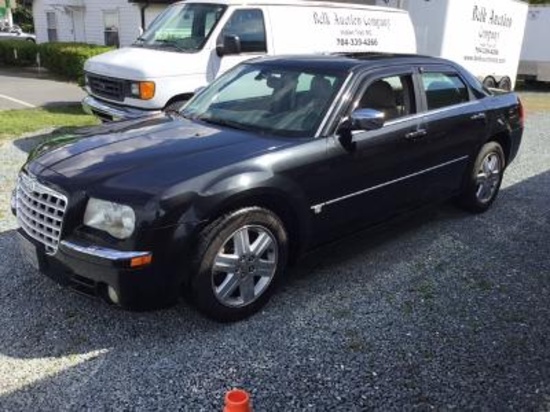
x=444 y=90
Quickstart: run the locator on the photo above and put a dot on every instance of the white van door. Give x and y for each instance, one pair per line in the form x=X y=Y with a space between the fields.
x=248 y=25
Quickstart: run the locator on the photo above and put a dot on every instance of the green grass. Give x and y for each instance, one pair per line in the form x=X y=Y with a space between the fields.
x=17 y=122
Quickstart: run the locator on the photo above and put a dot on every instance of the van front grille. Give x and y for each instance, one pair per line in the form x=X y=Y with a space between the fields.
x=40 y=211
x=107 y=87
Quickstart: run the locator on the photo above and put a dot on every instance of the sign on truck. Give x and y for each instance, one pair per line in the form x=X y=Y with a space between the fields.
x=191 y=44
x=484 y=36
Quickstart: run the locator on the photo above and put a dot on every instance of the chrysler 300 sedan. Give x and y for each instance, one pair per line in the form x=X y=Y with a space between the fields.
x=273 y=158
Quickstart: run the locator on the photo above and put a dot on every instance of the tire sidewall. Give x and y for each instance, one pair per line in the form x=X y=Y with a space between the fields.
x=217 y=234
x=470 y=200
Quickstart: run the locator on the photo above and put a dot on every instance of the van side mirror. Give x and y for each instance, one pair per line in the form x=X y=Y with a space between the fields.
x=231 y=45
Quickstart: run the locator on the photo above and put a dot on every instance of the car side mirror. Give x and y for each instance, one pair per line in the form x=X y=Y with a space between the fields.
x=360 y=119
x=231 y=45
x=366 y=119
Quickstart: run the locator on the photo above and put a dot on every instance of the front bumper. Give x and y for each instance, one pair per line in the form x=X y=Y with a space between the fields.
x=107 y=111
x=92 y=270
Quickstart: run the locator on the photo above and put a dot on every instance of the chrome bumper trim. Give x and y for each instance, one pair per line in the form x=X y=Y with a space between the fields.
x=94 y=106
x=101 y=252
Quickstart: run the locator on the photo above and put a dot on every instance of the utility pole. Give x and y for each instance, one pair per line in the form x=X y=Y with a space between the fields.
x=9 y=14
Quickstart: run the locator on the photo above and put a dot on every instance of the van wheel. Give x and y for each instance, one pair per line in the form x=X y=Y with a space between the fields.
x=505 y=84
x=484 y=179
x=239 y=260
x=175 y=106
x=490 y=82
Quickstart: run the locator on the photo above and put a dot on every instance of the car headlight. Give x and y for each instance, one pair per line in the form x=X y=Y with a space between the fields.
x=142 y=90
x=116 y=219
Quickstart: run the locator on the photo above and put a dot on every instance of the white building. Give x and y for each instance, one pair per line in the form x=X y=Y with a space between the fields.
x=107 y=22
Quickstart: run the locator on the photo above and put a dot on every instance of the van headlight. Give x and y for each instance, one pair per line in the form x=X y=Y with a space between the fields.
x=116 y=219
x=142 y=90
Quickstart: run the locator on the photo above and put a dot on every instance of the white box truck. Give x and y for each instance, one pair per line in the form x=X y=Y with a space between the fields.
x=193 y=42
x=484 y=36
x=535 y=54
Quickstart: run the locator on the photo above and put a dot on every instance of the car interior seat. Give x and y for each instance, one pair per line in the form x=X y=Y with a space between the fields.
x=380 y=96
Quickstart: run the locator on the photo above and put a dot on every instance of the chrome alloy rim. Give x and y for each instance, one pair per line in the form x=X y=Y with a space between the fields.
x=245 y=266
x=488 y=177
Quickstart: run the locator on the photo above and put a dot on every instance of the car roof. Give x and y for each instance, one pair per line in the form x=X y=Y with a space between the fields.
x=347 y=61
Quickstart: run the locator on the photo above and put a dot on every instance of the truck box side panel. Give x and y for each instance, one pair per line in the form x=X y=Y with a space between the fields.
x=485 y=36
x=429 y=18
x=307 y=29
x=537 y=34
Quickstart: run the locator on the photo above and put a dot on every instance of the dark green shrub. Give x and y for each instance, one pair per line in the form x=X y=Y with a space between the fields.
x=63 y=59
x=67 y=59
x=18 y=53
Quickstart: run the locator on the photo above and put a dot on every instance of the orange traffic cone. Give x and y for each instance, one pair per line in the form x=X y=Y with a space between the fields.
x=237 y=400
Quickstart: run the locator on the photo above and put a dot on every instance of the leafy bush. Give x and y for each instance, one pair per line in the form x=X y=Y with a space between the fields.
x=67 y=59
x=18 y=53
x=64 y=59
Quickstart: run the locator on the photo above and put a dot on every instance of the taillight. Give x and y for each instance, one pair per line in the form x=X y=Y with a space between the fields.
x=521 y=113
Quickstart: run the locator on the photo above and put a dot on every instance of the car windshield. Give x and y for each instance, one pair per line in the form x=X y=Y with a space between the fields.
x=182 y=27
x=268 y=99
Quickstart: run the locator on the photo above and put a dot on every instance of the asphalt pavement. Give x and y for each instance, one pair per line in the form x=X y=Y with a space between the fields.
x=27 y=88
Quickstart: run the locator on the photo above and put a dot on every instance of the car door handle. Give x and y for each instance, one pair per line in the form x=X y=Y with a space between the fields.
x=417 y=134
x=478 y=116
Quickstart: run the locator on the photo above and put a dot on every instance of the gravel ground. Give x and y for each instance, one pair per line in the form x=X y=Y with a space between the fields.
x=440 y=311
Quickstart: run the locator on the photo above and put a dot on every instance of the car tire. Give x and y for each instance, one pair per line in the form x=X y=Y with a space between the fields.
x=239 y=260
x=489 y=82
x=484 y=179
x=505 y=84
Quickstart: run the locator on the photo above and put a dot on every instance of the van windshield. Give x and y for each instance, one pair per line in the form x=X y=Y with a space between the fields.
x=182 y=27
x=268 y=98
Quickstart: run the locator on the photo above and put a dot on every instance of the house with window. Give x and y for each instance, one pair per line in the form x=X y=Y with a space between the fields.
x=107 y=22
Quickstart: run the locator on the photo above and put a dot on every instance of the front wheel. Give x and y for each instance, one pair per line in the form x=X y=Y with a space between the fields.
x=175 y=106
x=239 y=259
x=489 y=82
x=484 y=180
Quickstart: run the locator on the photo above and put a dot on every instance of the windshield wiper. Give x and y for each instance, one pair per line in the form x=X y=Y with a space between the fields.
x=171 y=43
x=223 y=122
x=139 y=41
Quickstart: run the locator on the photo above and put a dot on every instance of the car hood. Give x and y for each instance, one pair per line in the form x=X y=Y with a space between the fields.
x=138 y=63
x=147 y=155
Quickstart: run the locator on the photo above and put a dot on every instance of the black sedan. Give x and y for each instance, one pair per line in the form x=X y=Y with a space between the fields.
x=273 y=158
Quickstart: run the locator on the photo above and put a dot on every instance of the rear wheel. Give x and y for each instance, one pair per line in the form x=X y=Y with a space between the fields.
x=505 y=84
x=239 y=260
x=484 y=179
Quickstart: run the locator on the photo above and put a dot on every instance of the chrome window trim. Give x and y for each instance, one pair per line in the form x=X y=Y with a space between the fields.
x=318 y=207
x=340 y=99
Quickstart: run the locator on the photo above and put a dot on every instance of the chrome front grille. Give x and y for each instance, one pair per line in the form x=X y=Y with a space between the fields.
x=40 y=211
x=107 y=87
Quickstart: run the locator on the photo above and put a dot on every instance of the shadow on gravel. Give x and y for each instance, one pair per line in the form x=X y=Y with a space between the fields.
x=450 y=310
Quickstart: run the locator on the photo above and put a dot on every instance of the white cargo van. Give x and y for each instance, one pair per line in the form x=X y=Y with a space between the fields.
x=193 y=42
x=535 y=54
x=484 y=36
